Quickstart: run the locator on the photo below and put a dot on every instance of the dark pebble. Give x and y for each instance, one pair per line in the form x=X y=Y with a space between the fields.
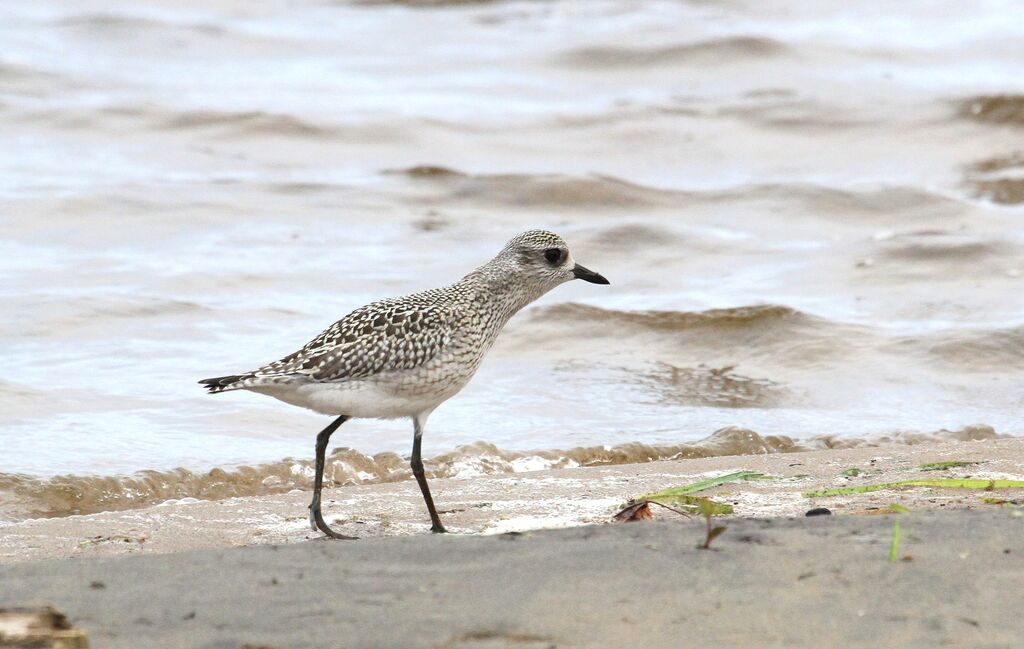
x=818 y=511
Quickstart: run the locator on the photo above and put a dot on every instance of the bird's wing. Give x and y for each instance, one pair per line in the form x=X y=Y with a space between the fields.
x=380 y=337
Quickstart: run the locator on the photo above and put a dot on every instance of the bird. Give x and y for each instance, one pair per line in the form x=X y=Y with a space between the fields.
x=404 y=356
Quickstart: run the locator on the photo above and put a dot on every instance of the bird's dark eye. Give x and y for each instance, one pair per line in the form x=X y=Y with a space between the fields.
x=553 y=255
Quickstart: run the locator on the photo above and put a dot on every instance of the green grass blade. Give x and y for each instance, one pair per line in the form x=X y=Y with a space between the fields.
x=942 y=466
x=704 y=484
x=680 y=498
x=693 y=505
x=714 y=534
x=894 y=544
x=941 y=483
x=989 y=500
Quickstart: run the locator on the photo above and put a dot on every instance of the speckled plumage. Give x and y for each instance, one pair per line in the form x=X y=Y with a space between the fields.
x=421 y=347
x=402 y=357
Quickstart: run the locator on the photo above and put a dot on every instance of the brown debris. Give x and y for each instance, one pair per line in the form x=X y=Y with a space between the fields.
x=38 y=628
x=639 y=511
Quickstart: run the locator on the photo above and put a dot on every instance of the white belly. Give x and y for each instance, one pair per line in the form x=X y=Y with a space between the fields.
x=360 y=399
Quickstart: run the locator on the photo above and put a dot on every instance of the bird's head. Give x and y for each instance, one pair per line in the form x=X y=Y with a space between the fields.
x=542 y=259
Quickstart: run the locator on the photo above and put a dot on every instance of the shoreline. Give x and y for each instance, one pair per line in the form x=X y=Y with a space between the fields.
x=25 y=496
x=495 y=504
x=176 y=576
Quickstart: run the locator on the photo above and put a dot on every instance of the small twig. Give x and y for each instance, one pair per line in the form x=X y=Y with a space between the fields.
x=678 y=511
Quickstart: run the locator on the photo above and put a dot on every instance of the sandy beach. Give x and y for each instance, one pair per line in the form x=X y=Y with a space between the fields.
x=495 y=504
x=173 y=576
x=810 y=217
x=808 y=582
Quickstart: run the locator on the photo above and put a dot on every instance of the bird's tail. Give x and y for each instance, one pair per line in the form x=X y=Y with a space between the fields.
x=224 y=383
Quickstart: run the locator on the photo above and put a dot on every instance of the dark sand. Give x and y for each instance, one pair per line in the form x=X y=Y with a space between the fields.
x=803 y=582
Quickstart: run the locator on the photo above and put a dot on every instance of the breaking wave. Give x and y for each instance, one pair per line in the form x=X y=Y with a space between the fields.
x=999 y=179
x=713 y=51
x=594 y=191
x=744 y=316
x=597 y=192
x=991 y=351
x=247 y=123
x=23 y=496
x=994 y=109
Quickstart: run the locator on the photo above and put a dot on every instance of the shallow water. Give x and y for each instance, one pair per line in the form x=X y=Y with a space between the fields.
x=810 y=213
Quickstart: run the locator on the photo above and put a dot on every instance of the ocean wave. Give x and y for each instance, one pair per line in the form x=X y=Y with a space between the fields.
x=87 y=314
x=711 y=51
x=19 y=400
x=24 y=80
x=930 y=245
x=524 y=190
x=716 y=387
x=20 y=72
x=775 y=338
x=602 y=192
x=8 y=71
x=792 y=113
x=427 y=171
x=834 y=202
x=774 y=334
x=993 y=109
x=999 y=179
x=23 y=496
x=226 y=124
x=994 y=350
x=627 y=238
x=757 y=315
x=246 y=123
x=778 y=335
x=157 y=31
x=111 y=21
x=770 y=334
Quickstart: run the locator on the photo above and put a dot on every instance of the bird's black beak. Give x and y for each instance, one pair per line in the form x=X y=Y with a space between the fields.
x=588 y=275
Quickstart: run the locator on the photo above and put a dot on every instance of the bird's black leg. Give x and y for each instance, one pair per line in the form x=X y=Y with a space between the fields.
x=316 y=519
x=421 y=478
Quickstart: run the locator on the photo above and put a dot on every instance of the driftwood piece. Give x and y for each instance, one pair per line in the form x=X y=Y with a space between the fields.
x=40 y=627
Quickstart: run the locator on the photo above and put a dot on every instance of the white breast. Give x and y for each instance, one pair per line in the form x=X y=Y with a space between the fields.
x=362 y=399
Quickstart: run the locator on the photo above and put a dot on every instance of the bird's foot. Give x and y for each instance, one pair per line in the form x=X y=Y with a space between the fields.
x=316 y=521
x=331 y=534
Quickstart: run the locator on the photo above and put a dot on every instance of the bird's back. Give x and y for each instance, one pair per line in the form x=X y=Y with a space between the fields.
x=381 y=339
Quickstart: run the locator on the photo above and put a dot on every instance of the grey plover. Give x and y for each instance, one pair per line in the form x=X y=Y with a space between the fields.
x=403 y=357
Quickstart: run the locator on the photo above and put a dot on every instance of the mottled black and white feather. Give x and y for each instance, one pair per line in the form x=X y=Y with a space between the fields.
x=409 y=353
x=393 y=334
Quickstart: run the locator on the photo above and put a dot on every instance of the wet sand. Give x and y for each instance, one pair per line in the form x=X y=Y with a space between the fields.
x=494 y=504
x=799 y=582
x=775 y=578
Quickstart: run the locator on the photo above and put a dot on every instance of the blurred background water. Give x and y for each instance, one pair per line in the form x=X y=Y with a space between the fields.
x=810 y=213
